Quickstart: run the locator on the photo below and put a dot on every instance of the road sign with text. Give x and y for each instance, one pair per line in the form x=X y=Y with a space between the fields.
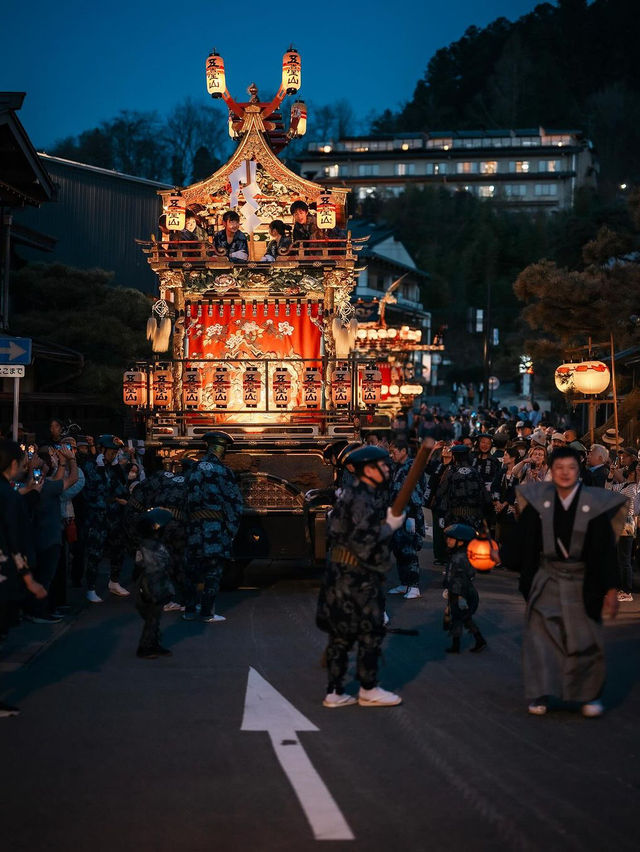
x=15 y=350
x=8 y=372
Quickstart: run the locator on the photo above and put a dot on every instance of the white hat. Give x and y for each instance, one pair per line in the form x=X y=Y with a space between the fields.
x=539 y=437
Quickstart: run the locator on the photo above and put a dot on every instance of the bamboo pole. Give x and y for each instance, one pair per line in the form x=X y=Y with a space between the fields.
x=615 y=393
x=415 y=472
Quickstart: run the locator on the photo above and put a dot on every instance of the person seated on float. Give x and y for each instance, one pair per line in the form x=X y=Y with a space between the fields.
x=230 y=240
x=305 y=226
x=280 y=241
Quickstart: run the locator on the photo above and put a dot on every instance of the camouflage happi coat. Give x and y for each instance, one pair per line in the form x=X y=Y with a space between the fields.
x=213 y=510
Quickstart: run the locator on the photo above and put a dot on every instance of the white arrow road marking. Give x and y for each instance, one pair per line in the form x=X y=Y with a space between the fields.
x=266 y=710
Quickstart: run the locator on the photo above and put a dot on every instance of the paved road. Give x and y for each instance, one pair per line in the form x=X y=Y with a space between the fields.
x=114 y=753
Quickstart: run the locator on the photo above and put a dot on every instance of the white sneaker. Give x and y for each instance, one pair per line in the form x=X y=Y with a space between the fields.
x=212 y=619
x=624 y=596
x=536 y=709
x=592 y=709
x=398 y=590
x=172 y=606
x=385 y=618
x=412 y=592
x=117 y=589
x=378 y=697
x=332 y=699
x=93 y=596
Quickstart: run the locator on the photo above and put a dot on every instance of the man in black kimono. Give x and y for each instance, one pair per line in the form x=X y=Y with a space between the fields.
x=568 y=576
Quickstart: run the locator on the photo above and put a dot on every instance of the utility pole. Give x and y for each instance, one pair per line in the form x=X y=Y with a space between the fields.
x=487 y=347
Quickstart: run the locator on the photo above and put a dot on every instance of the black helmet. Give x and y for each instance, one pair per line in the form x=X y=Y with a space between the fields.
x=461 y=532
x=365 y=455
x=153 y=520
x=460 y=449
x=218 y=437
x=346 y=450
x=110 y=442
x=187 y=463
x=332 y=449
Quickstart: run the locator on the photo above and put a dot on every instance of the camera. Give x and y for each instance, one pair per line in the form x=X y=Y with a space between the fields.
x=37 y=474
x=67 y=446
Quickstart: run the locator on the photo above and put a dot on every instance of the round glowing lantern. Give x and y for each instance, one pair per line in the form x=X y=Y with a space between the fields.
x=341 y=387
x=175 y=218
x=221 y=386
x=162 y=387
x=564 y=378
x=251 y=387
x=394 y=390
x=371 y=388
x=216 y=84
x=312 y=387
x=479 y=553
x=326 y=212
x=299 y=118
x=591 y=377
x=192 y=388
x=281 y=387
x=134 y=388
x=291 y=71
x=392 y=333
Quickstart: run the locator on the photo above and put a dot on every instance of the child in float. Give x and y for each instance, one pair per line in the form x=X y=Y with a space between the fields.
x=458 y=581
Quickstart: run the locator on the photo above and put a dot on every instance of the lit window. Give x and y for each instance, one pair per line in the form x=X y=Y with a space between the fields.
x=489 y=168
x=519 y=166
x=466 y=168
x=486 y=191
x=550 y=165
x=332 y=171
x=365 y=192
x=405 y=169
x=326 y=149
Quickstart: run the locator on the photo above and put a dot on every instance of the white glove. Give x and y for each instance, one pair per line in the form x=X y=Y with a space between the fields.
x=410 y=525
x=394 y=522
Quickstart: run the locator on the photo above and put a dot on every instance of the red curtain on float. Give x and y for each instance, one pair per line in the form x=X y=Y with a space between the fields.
x=217 y=331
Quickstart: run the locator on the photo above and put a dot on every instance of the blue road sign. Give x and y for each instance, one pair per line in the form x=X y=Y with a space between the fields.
x=15 y=350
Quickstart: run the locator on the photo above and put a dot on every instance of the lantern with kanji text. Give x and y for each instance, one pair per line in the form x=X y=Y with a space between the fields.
x=281 y=387
x=192 y=388
x=175 y=218
x=216 y=84
x=312 y=387
x=251 y=387
x=564 y=378
x=326 y=212
x=134 y=388
x=291 y=71
x=162 y=387
x=299 y=118
x=481 y=553
x=371 y=386
x=221 y=386
x=341 y=386
x=591 y=377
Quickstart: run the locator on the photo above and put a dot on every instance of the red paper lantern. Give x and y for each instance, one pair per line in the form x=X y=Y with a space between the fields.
x=134 y=388
x=479 y=553
x=192 y=388
x=162 y=388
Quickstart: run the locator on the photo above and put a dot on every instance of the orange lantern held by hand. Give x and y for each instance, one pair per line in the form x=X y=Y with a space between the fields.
x=483 y=554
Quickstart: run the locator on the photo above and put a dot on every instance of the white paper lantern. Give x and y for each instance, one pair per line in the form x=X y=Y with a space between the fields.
x=591 y=377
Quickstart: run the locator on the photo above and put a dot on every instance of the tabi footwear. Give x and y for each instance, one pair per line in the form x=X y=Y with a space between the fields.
x=592 y=709
x=378 y=697
x=117 y=589
x=172 y=607
x=412 y=592
x=212 y=619
x=332 y=699
x=398 y=590
x=537 y=707
x=93 y=596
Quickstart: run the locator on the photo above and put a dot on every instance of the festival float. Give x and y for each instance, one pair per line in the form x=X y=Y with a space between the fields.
x=263 y=348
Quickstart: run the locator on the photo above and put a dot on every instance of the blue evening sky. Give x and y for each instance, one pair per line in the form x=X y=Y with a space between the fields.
x=82 y=62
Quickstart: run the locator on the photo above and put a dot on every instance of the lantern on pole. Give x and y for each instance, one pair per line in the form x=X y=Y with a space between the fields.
x=281 y=387
x=162 y=387
x=192 y=388
x=134 y=388
x=371 y=387
x=564 y=378
x=216 y=84
x=341 y=387
x=175 y=219
x=591 y=377
x=291 y=71
x=251 y=387
x=326 y=211
x=221 y=386
x=479 y=553
x=299 y=118
x=312 y=387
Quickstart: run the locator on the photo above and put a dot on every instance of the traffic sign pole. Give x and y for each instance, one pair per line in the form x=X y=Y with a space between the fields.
x=16 y=407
